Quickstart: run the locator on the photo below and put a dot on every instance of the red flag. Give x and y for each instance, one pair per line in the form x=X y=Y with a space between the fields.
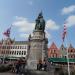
x=7 y=32
x=64 y=32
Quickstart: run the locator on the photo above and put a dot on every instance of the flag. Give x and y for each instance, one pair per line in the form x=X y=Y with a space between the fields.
x=64 y=32
x=7 y=32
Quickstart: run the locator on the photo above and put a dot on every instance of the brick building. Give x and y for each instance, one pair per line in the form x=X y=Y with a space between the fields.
x=71 y=51
x=53 y=51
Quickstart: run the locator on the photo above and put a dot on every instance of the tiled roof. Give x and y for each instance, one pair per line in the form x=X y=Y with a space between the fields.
x=62 y=47
x=53 y=46
x=70 y=46
x=20 y=42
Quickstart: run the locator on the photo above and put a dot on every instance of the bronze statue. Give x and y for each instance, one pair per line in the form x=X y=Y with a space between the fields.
x=40 y=23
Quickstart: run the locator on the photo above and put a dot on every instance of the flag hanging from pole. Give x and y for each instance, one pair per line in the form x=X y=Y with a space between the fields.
x=7 y=32
x=64 y=32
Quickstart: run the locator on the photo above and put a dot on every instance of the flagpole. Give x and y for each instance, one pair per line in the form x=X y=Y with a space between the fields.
x=67 y=45
x=63 y=38
x=68 y=63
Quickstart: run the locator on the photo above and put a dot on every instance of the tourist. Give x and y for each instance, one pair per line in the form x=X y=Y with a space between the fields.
x=45 y=66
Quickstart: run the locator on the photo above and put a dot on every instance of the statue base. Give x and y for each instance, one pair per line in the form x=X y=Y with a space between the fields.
x=32 y=64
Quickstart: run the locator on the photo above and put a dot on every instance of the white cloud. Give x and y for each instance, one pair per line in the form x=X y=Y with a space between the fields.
x=70 y=21
x=26 y=27
x=67 y=10
x=52 y=25
x=23 y=24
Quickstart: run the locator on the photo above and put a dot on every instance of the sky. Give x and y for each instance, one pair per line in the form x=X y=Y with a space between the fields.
x=21 y=14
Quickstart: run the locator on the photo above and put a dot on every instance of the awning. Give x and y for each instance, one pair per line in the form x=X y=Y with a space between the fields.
x=61 y=60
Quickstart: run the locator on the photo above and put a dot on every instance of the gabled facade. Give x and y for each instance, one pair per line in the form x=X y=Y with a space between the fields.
x=53 y=51
x=63 y=51
x=71 y=51
x=13 y=49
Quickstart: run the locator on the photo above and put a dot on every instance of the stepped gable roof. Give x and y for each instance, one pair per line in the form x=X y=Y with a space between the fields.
x=62 y=46
x=7 y=41
x=53 y=46
x=71 y=47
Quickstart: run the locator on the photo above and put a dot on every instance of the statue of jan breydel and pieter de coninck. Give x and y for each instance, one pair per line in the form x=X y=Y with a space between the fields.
x=40 y=23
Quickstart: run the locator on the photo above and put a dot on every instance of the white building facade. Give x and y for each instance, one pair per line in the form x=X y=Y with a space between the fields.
x=13 y=49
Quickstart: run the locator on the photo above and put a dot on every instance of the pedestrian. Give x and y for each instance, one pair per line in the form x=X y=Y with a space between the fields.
x=18 y=65
x=13 y=67
x=39 y=65
x=45 y=66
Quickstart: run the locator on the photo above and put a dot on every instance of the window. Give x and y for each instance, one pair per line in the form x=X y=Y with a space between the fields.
x=19 y=52
x=62 y=49
x=10 y=47
x=24 y=52
x=16 y=47
x=71 y=50
x=13 y=47
x=54 y=51
x=71 y=56
x=1 y=52
x=12 y=52
x=20 y=47
x=4 y=47
x=15 y=52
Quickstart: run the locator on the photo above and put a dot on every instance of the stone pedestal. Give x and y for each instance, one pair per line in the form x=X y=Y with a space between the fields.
x=38 y=48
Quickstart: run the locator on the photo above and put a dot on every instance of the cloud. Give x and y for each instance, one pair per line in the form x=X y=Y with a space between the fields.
x=25 y=27
x=70 y=21
x=52 y=25
x=23 y=24
x=67 y=10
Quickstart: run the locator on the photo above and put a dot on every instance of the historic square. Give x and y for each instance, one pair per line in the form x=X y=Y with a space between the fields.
x=36 y=52
x=37 y=37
